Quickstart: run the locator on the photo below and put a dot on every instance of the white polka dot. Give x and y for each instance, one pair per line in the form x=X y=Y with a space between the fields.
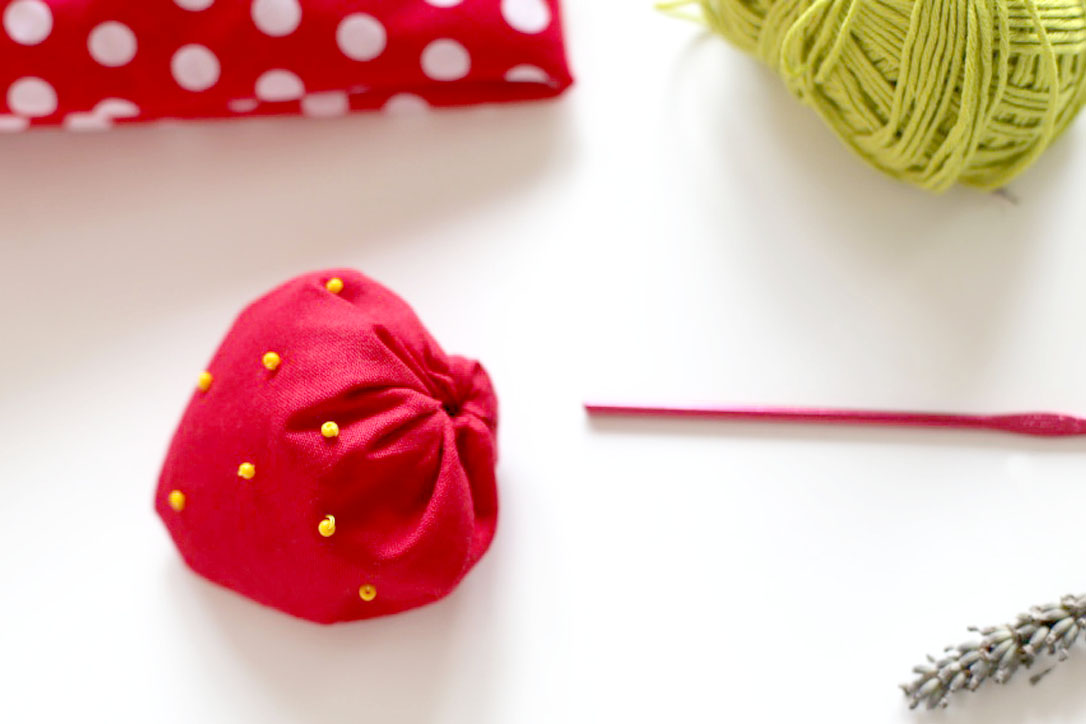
x=279 y=85
x=276 y=17
x=405 y=104
x=445 y=59
x=527 y=16
x=112 y=44
x=194 y=5
x=87 y=122
x=32 y=97
x=361 y=36
x=195 y=68
x=526 y=74
x=13 y=124
x=100 y=118
x=116 y=108
x=28 y=22
x=242 y=105
x=444 y=3
x=326 y=105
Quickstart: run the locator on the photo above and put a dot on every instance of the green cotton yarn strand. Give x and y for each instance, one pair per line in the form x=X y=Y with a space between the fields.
x=931 y=92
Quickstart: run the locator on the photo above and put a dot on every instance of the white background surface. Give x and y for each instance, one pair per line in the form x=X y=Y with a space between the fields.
x=676 y=228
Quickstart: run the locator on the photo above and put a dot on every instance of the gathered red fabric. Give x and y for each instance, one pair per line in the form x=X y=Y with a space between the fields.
x=334 y=462
x=88 y=64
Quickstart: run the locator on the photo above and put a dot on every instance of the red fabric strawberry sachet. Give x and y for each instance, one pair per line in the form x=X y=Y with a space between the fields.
x=333 y=462
x=90 y=63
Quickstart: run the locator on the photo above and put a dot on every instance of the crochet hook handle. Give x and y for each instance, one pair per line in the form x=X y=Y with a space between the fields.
x=1040 y=424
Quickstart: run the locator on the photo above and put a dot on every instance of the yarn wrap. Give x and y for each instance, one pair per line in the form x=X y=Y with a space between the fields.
x=931 y=92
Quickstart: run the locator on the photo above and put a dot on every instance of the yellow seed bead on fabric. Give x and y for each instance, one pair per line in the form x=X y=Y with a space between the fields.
x=176 y=500
x=330 y=429
x=367 y=592
x=246 y=470
x=327 y=526
x=203 y=382
x=334 y=285
x=271 y=360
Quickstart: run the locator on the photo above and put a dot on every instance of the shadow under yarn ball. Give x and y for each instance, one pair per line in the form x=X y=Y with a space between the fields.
x=931 y=92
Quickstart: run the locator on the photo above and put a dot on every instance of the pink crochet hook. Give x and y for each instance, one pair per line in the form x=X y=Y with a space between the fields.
x=1041 y=424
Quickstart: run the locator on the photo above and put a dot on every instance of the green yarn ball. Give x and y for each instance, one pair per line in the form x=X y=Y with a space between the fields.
x=931 y=92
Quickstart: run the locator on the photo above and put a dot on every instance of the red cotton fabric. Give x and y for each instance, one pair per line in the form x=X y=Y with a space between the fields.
x=409 y=479
x=88 y=64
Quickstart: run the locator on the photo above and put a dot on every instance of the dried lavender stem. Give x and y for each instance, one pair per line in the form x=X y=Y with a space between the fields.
x=1001 y=651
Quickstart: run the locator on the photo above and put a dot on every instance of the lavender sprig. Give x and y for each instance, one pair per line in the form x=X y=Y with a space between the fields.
x=1001 y=651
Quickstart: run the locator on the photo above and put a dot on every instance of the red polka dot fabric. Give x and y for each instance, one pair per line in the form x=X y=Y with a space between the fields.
x=89 y=64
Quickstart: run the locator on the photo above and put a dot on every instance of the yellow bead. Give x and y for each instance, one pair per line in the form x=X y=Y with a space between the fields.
x=367 y=592
x=203 y=382
x=271 y=360
x=246 y=470
x=330 y=429
x=334 y=285
x=176 y=500
x=327 y=526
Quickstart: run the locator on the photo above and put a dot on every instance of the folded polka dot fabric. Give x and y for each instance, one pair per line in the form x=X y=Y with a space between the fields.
x=88 y=64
